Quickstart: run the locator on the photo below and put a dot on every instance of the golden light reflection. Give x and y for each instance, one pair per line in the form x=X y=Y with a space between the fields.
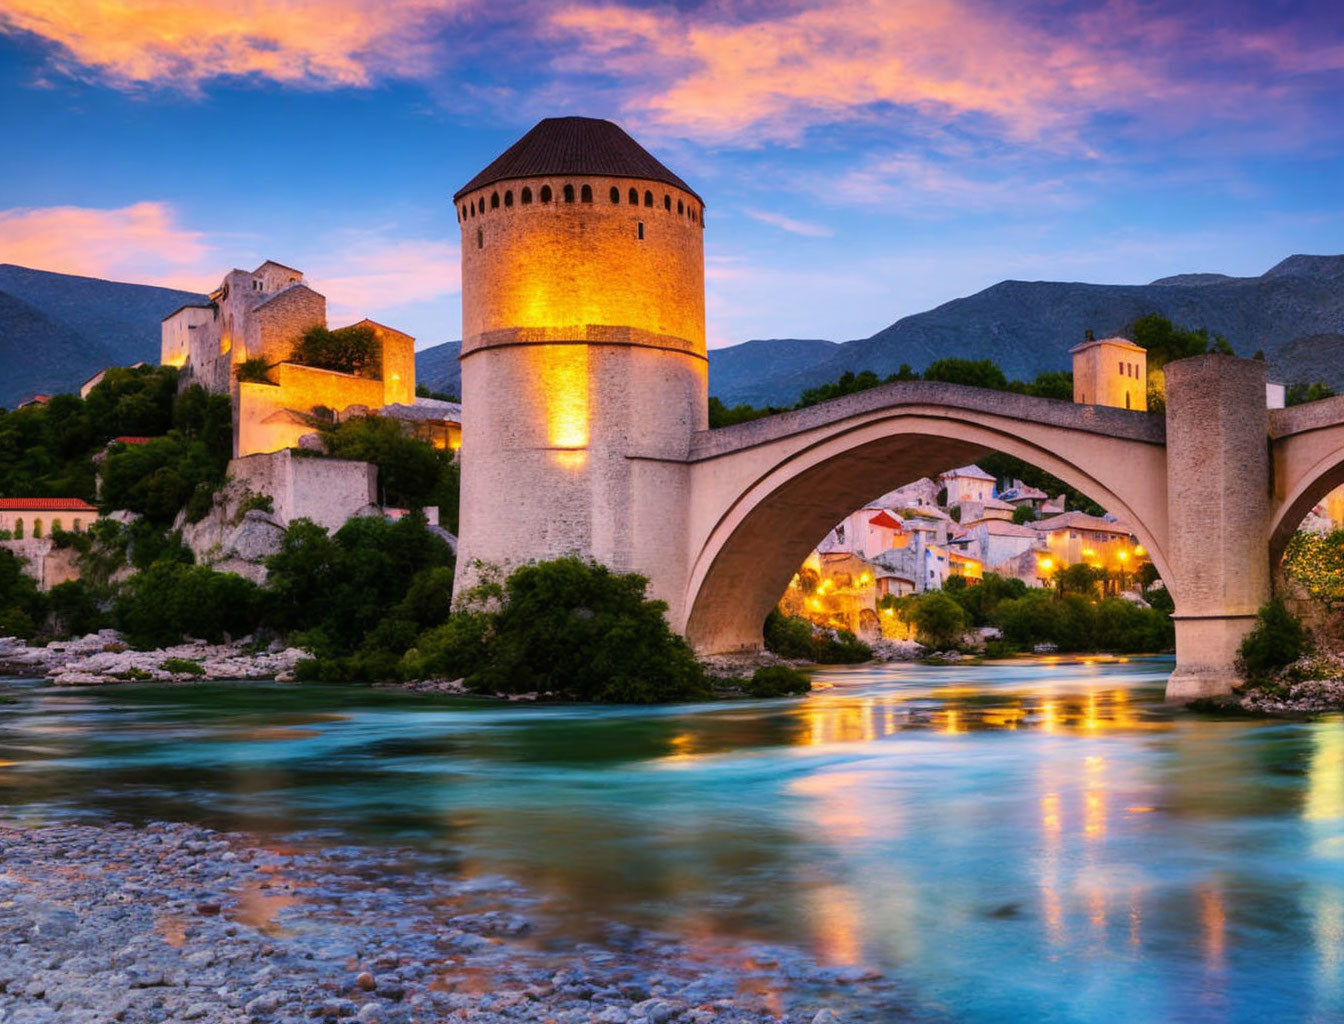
x=1213 y=921
x=1051 y=830
x=1325 y=780
x=562 y=375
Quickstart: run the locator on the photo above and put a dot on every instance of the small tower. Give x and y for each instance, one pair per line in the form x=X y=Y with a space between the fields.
x=584 y=371
x=1110 y=371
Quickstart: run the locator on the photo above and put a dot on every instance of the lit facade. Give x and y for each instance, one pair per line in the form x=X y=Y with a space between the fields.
x=1110 y=371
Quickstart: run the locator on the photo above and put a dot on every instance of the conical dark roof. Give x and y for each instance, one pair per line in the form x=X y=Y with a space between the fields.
x=575 y=145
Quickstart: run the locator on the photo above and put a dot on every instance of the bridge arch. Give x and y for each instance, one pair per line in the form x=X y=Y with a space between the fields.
x=1307 y=446
x=778 y=485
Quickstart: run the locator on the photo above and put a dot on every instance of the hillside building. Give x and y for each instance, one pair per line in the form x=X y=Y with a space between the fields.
x=258 y=317
x=1110 y=371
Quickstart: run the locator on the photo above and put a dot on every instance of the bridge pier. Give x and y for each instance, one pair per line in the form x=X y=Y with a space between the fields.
x=1218 y=482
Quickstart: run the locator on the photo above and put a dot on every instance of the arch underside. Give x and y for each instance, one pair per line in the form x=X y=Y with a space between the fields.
x=779 y=514
x=1323 y=478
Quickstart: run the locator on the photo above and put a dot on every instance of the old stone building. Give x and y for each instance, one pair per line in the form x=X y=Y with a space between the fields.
x=258 y=317
x=1110 y=371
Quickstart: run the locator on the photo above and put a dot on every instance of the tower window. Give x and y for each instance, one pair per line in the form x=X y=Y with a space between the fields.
x=648 y=198
x=586 y=194
x=508 y=198
x=545 y=193
x=641 y=230
x=569 y=193
x=494 y=200
x=1126 y=399
x=473 y=207
x=680 y=209
x=634 y=197
x=667 y=202
x=480 y=239
x=464 y=211
x=527 y=197
x=615 y=194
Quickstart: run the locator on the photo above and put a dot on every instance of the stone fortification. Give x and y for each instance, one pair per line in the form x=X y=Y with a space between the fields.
x=583 y=357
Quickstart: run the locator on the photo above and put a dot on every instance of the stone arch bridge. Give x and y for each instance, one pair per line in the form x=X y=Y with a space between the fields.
x=1213 y=489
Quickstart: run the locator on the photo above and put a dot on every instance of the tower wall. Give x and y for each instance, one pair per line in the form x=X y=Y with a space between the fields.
x=583 y=374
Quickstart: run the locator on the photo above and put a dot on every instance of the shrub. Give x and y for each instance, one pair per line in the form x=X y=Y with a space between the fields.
x=411 y=473
x=254 y=371
x=777 y=681
x=255 y=503
x=573 y=630
x=352 y=349
x=182 y=666
x=938 y=620
x=792 y=636
x=1317 y=561
x=76 y=608
x=22 y=605
x=169 y=601
x=1277 y=640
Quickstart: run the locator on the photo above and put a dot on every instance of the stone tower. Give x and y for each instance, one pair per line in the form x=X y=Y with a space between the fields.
x=584 y=372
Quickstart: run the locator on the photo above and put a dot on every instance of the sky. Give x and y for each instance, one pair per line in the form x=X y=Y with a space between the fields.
x=861 y=160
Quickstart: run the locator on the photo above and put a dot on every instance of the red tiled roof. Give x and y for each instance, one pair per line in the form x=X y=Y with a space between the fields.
x=883 y=519
x=46 y=505
x=133 y=439
x=574 y=145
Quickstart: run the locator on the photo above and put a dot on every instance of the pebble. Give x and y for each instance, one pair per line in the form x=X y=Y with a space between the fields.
x=371 y=935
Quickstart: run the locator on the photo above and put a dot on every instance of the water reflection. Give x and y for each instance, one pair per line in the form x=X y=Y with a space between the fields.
x=1044 y=834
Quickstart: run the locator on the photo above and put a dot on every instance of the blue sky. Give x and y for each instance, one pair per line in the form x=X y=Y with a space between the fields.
x=861 y=160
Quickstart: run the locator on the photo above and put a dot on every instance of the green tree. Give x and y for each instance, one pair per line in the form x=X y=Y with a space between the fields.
x=978 y=373
x=411 y=473
x=1300 y=394
x=1276 y=641
x=354 y=350
x=938 y=620
x=1024 y=514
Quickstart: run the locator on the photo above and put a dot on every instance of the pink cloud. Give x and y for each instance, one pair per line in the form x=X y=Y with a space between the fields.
x=140 y=242
x=184 y=42
x=790 y=224
x=372 y=275
x=1036 y=72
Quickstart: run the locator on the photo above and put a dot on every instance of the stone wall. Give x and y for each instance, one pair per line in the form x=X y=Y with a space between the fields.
x=398 y=365
x=561 y=265
x=276 y=325
x=327 y=491
x=178 y=331
x=269 y=417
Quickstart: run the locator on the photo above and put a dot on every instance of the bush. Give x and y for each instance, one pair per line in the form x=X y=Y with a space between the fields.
x=411 y=473
x=253 y=371
x=170 y=601
x=777 y=681
x=1276 y=641
x=938 y=620
x=355 y=350
x=792 y=636
x=76 y=608
x=566 y=629
x=182 y=666
x=22 y=606
x=1317 y=561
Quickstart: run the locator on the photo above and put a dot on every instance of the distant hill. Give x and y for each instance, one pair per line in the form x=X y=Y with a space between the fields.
x=57 y=330
x=436 y=368
x=1295 y=312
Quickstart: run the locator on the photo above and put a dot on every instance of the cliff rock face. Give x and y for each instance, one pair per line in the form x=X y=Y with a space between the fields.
x=1294 y=312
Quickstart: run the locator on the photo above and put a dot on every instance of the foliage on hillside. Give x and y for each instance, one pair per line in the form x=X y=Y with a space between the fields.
x=411 y=473
x=1317 y=561
x=22 y=607
x=792 y=636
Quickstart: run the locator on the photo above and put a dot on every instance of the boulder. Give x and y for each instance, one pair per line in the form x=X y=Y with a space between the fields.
x=312 y=443
x=256 y=537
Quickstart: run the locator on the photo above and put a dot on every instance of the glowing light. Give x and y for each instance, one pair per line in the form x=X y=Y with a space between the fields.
x=1140 y=550
x=1047 y=564
x=1123 y=556
x=562 y=375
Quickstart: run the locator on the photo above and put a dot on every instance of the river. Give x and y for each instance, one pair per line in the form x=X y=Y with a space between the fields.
x=1040 y=839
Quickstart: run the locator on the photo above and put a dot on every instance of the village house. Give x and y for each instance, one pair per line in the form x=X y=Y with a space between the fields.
x=969 y=483
x=1074 y=537
x=26 y=529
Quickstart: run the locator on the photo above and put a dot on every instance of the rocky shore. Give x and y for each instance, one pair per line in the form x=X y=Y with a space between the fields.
x=104 y=657
x=173 y=922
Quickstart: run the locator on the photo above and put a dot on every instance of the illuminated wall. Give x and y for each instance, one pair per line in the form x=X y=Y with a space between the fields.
x=1111 y=371
x=557 y=267
x=270 y=417
x=178 y=330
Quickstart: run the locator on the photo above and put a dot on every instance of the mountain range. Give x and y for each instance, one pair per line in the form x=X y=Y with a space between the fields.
x=56 y=330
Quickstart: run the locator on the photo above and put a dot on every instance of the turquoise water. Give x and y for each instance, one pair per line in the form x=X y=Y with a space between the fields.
x=1040 y=841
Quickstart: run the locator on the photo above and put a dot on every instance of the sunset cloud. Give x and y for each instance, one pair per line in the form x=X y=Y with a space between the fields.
x=367 y=274
x=143 y=242
x=323 y=43
x=790 y=224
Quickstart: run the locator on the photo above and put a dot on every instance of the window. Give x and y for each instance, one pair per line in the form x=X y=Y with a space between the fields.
x=615 y=194
x=667 y=202
x=1122 y=367
x=37 y=528
x=641 y=230
x=508 y=198
x=1126 y=399
x=76 y=525
x=586 y=194
x=569 y=193
x=634 y=197
x=473 y=207
x=648 y=198
x=545 y=193
x=18 y=529
x=464 y=211
x=526 y=196
x=494 y=200
x=55 y=525
x=680 y=208
x=480 y=239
